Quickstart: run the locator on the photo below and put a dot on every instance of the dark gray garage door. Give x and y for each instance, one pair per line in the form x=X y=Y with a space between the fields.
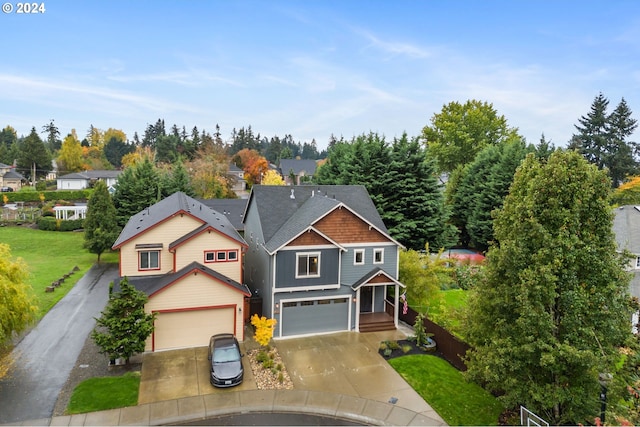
x=313 y=316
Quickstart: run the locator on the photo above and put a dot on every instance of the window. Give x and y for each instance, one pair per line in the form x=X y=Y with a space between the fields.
x=306 y=303
x=358 y=257
x=308 y=265
x=149 y=260
x=221 y=256
x=378 y=256
x=290 y=304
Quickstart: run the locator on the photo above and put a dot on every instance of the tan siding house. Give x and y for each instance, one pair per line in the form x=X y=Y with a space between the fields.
x=188 y=259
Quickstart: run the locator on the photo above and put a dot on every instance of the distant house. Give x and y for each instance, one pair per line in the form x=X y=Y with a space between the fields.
x=626 y=226
x=10 y=178
x=321 y=259
x=296 y=169
x=187 y=258
x=233 y=209
x=238 y=183
x=86 y=179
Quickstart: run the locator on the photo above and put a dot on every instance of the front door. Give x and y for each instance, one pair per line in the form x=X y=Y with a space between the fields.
x=366 y=299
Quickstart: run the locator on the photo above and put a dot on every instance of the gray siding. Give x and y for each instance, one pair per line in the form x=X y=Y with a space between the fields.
x=352 y=273
x=286 y=268
x=257 y=266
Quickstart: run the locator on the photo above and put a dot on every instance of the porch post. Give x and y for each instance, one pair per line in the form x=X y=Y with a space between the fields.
x=358 y=310
x=396 y=305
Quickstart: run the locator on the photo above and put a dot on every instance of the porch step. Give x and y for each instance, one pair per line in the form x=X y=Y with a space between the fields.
x=380 y=325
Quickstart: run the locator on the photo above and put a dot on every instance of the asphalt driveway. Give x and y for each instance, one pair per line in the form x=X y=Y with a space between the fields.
x=344 y=363
x=45 y=356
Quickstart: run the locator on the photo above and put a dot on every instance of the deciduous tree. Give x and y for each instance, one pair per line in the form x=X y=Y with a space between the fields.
x=18 y=305
x=124 y=326
x=70 y=155
x=460 y=131
x=553 y=308
x=272 y=177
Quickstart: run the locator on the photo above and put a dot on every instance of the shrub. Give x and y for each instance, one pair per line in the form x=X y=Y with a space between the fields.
x=393 y=345
x=267 y=364
x=406 y=348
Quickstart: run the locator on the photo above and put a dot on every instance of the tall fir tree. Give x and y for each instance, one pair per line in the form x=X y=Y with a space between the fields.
x=101 y=227
x=34 y=158
x=138 y=187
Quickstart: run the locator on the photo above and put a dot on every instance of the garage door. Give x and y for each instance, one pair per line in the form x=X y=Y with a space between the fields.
x=191 y=328
x=313 y=316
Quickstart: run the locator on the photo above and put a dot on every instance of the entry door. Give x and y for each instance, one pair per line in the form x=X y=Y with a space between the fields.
x=366 y=299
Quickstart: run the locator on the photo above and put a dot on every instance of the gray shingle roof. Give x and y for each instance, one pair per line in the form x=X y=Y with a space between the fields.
x=152 y=284
x=92 y=174
x=283 y=217
x=176 y=203
x=626 y=226
x=231 y=208
x=13 y=175
x=297 y=166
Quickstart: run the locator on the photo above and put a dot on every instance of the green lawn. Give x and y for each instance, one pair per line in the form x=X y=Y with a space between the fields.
x=442 y=386
x=98 y=394
x=49 y=255
x=450 y=312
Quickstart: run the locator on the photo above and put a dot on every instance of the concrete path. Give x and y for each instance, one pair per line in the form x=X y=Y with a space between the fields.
x=46 y=355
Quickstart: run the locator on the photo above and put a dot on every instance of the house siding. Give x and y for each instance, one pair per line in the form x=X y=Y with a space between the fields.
x=194 y=250
x=164 y=233
x=352 y=273
x=195 y=291
x=343 y=226
x=286 y=268
x=258 y=272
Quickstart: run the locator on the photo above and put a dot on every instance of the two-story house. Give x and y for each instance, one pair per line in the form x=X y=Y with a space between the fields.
x=188 y=259
x=321 y=259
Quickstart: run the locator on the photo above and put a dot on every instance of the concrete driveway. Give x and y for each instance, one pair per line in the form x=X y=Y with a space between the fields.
x=345 y=363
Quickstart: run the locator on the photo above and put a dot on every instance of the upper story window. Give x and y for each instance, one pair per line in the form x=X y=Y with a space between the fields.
x=308 y=265
x=378 y=256
x=221 y=256
x=149 y=260
x=358 y=257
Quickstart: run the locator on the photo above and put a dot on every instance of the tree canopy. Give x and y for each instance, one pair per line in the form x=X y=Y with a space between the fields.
x=101 y=227
x=553 y=307
x=460 y=131
x=33 y=155
x=18 y=306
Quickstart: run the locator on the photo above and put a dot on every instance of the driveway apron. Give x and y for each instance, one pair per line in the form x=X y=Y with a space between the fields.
x=44 y=358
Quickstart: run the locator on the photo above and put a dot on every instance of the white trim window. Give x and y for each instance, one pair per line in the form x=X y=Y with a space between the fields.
x=378 y=256
x=358 y=257
x=221 y=256
x=308 y=264
x=149 y=260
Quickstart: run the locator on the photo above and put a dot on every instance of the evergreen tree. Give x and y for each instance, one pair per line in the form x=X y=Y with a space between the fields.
x=553 y=307
x=166 y=148
x=177 y=180
x=411 y=199
x=138 y=187
x=101 y=226
x=34 y=156
x=115 y=149
x=53 y=136
x=123 y=326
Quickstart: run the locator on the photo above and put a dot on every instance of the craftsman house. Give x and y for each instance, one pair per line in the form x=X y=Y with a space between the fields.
x=321 y=259
x=188 y=259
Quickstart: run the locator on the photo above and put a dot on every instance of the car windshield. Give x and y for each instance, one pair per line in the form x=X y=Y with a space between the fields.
x=226 y=354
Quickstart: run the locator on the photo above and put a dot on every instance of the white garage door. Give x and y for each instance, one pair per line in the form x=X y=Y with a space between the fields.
x=191 y=328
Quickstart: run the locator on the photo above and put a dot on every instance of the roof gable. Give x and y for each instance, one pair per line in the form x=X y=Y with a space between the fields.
x=377 y=275
x=177 y=203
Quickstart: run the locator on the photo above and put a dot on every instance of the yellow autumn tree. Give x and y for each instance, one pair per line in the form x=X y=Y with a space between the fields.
x=272 y=177
x=628 y=193
x=264 y=329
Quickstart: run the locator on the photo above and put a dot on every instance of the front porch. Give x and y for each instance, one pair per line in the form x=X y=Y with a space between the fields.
x=379 y=321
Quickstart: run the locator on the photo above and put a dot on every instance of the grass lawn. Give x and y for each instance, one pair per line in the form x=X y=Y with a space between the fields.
x=98 y=394
x=444 y=388
x=49 y=255
x=449 y=313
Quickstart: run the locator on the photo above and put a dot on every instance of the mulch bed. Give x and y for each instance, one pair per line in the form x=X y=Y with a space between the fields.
x=414 y=350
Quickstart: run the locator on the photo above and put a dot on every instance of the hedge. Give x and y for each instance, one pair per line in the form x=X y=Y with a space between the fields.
x=48 y=223
x=34 y=196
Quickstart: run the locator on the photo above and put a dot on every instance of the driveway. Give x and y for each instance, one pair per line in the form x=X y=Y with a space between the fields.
x=45 y=356
x=344 y=363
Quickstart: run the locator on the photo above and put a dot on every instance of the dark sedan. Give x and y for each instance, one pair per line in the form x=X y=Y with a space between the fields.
x=226 y=361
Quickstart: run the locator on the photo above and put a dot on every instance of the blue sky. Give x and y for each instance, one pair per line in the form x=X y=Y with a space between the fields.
x=315 y=68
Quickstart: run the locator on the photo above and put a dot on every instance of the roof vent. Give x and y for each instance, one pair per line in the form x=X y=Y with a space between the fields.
x=292 y=196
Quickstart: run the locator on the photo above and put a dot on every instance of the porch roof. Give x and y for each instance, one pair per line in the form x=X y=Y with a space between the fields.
x=376 y=272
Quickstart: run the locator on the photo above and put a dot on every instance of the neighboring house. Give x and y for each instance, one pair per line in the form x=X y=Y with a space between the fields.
x=238 y=183
x=626 y=226
x=298 y=169
x=188 y=259
x=321 y=259
x=10 y=178
x=86 y=179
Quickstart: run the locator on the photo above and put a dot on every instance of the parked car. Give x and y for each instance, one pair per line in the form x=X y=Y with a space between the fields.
x=225 y=361
x=6 y=189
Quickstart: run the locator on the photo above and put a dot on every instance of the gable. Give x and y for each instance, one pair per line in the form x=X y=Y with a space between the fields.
x=310 y=238
x=345 y=227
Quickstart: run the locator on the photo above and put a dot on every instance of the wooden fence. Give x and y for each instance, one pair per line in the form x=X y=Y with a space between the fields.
x=451 y=348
